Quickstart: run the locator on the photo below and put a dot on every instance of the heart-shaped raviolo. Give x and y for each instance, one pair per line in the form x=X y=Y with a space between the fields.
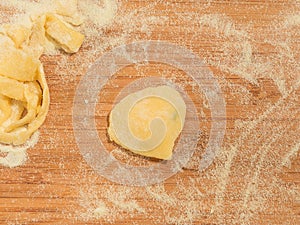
x=148 y=122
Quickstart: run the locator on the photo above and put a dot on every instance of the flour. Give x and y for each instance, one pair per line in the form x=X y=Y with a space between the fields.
x=242 y=62
x=258 y=68
x=101 y=211
x=97 y=14
x=292 y=20
x=290 y=155
x=26 y=9
x=17 y=155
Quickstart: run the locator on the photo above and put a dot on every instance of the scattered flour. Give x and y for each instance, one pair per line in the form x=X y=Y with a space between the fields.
x=17 y=155
x=100 y=15
x=241 y=56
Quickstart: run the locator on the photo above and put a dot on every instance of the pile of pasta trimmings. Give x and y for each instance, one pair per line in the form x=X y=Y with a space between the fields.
x=148 y=122
x=24 y=94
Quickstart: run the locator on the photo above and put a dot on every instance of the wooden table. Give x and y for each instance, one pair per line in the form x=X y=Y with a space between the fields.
x=253 y=50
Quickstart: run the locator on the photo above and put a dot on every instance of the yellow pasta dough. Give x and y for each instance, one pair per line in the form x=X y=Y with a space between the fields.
x=68 y=9
x=38 y=42
x=5 y=108
x=148 y=122
x=24 y=93
x=15 y=63
x=18 y=33
x=34 y=100
x=66 y=37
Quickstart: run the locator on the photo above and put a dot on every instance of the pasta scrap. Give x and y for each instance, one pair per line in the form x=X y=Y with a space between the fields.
x=66 y=37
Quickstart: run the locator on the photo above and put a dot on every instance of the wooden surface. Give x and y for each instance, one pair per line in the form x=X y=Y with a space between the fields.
x=245 y=185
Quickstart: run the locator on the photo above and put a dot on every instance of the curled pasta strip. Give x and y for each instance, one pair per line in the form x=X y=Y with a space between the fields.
x=4 y=108
x=33 y=101
x=164 y=110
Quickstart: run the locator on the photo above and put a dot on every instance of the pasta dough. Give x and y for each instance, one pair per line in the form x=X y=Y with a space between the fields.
x=15 y=63
x=66 y=37
x=24 y=93
x=148 y=122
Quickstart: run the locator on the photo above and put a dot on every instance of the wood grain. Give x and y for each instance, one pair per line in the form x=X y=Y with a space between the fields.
x=56 y=186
